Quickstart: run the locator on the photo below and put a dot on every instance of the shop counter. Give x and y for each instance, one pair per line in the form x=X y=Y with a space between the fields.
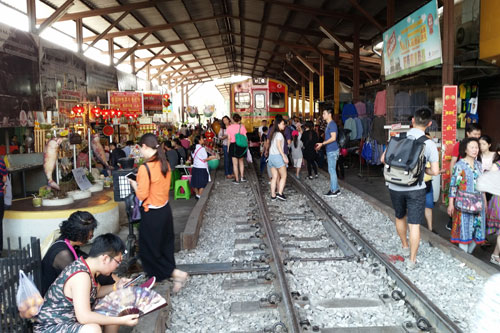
x=25 y=221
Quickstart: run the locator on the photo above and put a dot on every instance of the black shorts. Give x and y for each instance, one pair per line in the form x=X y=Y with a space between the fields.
x=237 y=152
x=410 y=204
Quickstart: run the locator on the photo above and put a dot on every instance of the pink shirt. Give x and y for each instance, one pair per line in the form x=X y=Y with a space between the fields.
x=233 y=129
x=380 y=101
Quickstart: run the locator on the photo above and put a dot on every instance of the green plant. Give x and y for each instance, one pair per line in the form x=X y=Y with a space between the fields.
x=90 y=177
x=44 y=192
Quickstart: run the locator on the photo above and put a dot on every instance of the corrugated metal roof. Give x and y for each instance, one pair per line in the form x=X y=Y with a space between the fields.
x=224 y=37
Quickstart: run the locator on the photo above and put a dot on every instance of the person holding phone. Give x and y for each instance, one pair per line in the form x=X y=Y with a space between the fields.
x=156 y=230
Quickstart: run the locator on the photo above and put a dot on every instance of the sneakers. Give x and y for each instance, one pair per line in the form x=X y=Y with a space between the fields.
x=235 y=181
x=243 y=180
x=332 y=194
x=449 y=225
x=495 y=260
x=310 y=177
x=281 y=197
x=273 y=198
x=411 y=264
x=316 y=176
x=405 y=251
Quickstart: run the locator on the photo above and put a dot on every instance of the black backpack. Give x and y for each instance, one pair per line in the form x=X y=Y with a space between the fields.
x=405 y=160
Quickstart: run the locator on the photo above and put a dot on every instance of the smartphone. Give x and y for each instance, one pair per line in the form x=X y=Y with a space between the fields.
x=132 y=176
x=134 y=281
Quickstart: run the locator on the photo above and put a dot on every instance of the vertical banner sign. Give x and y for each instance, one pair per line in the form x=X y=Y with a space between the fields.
x=449 y=128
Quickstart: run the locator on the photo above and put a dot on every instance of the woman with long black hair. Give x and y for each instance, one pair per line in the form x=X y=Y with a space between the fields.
x=309 y=139
x=200 y=175
x=228 y=163
x=156 y=231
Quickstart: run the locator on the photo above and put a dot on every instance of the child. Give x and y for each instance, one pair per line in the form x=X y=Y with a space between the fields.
x=200 y=173
x=297 y=156
x=263 y=157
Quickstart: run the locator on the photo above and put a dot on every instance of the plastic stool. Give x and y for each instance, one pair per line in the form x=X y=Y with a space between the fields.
x=182 y=184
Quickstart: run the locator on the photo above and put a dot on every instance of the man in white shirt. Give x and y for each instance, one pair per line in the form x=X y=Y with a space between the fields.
x=263 y=124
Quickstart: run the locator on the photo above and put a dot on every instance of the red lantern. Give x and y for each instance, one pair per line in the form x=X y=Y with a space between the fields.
x=77 y=110
x=96 y=111
x=119 y=113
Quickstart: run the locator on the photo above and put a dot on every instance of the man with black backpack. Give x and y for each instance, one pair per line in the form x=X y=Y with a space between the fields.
x=405 y=159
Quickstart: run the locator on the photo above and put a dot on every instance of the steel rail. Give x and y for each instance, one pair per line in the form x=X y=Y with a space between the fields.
x=290 y=312
x=426 y=308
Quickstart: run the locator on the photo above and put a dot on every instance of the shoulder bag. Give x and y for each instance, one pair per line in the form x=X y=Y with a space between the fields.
x=240 y=139
x=469 y=202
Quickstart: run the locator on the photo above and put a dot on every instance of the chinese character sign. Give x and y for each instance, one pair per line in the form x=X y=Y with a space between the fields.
x=126 y=101
x=449 y=129
x=413 y=44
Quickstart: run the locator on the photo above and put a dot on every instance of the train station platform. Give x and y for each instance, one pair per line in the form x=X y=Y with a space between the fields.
x=375 y=187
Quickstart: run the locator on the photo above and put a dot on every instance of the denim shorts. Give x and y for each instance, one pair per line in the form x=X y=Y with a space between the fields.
x=410 y=204
x=275 y=161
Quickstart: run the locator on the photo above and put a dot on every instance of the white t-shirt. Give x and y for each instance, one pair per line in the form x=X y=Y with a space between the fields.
x=199 y=155
x=274 y=144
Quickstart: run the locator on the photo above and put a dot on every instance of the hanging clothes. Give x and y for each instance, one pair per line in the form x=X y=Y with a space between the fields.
x=402 y=107
x=417 y=100
x=378 y=131
x=361 y=109
x=380 y=103
x=350 y=124
x=348 y=111
x=369 y=108
x=367 y=125
x=359 y=128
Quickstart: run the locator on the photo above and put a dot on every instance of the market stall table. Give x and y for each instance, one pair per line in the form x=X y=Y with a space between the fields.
x=186 y=168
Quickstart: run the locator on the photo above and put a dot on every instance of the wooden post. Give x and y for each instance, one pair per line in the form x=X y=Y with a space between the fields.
x=111 y=52
x=303 y=99
x=448 y=42
x=336 y=81
x=31 y=9
x=355 y=67
x=297 y=102
x=390 y=13
x=321 y=78
x=132 y=62
x=79 y=35
x=182 y=102
x=311 y=94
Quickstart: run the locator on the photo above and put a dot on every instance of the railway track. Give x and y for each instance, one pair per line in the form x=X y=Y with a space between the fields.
x=298 y=266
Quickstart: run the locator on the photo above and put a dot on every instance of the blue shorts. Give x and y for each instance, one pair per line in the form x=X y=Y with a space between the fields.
x=275 y=161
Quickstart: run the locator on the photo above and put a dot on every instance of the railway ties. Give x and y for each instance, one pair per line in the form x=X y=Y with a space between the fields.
x=291 y=268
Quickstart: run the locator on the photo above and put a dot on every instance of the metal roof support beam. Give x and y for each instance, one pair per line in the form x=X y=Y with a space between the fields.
x=31 y=11
x=132 y=62
x=317 y=50
x=160 y=72
x=332 y=36
x=263 y=27
x=56 y=15
x=132 y=49
x=108 y=29
x=306 y=63
x=302 y=74
x=314 y=11
x=367 y=15
x=149 y=61
x=111 y=52
x=153 y=28
x=106 y=11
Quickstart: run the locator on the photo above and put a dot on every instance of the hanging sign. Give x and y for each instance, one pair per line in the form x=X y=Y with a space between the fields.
x=127 y=101
x=449 y=129
x=153 y=102
x=108 y=130
x=413 y=44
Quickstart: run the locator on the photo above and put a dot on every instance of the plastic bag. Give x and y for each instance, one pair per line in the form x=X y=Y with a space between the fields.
x=249 y=156
x=28 y=298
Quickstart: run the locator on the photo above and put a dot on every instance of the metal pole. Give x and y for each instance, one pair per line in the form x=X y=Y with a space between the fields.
x=74 y=156
x=90 y=151
x=57 y=163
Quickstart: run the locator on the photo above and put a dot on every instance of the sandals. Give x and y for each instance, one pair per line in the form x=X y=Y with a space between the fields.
x=179 y=284
x=495 y=259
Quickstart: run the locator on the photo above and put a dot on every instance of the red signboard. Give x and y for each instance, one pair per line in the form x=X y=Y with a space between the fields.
x=153 y=102
x=449 y=130
x=126 y=101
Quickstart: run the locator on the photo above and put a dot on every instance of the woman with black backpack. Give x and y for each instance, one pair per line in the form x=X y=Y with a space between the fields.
x=309 y=139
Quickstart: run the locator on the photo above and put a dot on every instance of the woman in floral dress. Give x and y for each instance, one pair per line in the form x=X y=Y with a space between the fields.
x=468 y=229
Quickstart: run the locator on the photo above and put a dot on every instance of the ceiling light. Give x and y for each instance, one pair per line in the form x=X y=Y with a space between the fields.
x=290 y=77
x=329 y=35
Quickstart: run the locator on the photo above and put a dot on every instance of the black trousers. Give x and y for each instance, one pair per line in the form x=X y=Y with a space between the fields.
x=156 y=242
x=2 y=209
x=312 y=165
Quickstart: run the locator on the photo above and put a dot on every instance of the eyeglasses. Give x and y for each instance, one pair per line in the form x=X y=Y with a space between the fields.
x=118 y=262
